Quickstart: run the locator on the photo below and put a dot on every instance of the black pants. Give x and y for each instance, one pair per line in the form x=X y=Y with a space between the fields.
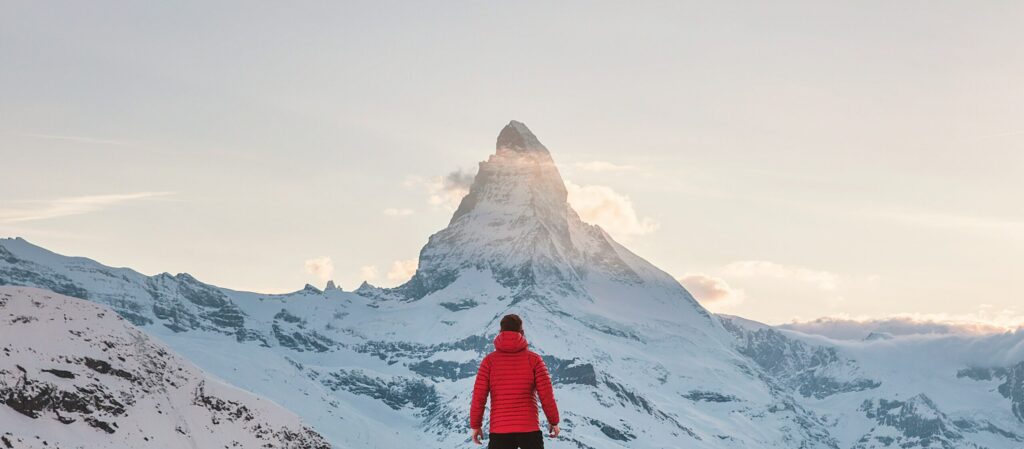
x=521 y=440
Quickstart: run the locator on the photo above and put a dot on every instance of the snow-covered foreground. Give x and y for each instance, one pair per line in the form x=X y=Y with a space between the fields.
x=636 y=361
x=76 y=375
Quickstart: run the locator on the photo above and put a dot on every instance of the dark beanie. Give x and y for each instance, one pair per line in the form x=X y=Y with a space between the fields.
x=511 y=322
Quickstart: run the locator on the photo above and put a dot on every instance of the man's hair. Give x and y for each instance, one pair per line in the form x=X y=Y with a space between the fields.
x=512 y=322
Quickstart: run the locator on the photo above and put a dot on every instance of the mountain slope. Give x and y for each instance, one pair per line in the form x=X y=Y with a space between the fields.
x=74 y=374
x=636 y=361
x=941 y=391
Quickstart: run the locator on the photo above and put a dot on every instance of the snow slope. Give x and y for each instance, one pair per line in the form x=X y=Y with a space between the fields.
x=76 y=375
x=945 y=391
x=636 y=361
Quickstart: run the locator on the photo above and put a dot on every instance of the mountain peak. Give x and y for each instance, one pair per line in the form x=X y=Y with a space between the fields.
x=517 y=137
x=516 y=225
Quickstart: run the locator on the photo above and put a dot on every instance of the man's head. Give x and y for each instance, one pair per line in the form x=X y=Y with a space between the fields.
x=512 y=322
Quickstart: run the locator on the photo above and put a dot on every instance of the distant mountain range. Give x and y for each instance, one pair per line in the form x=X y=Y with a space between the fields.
x=637 y=362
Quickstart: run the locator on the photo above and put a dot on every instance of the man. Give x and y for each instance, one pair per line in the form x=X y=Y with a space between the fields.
x=513 y=376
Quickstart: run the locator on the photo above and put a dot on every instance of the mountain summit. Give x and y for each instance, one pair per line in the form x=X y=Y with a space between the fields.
x=517 y=137
x=516 y=226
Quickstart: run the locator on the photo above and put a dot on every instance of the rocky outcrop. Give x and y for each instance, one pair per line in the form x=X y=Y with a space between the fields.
x=1012 y=386
x=916 y=422
x=79 y=366
x=811 y=371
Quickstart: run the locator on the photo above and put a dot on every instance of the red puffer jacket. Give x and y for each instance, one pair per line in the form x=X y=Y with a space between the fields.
x=514 y=377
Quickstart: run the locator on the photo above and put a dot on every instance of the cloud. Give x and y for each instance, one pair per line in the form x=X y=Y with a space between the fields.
x=966 y=223
x=448 y=191
x=393 y=212
x=610 y=210
x=603 y=166
x=321 y=267
x=63 y=207
x=823 y=280
x=368 y=272
x=443 y=191
x=998 y=135
x=402 y=270
x=411 y=181
x=712 y=292
x=982 y=322
x=79 y=139
x=595 y=204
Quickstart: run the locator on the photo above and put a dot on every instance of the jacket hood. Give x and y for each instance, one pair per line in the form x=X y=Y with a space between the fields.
x=510 y=341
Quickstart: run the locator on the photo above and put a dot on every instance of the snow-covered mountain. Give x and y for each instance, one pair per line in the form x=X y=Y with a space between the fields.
x=73 y=374
x=636 y=361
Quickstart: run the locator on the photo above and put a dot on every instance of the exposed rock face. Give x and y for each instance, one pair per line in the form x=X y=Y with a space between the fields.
x=813 y=371
x=73 y=374
x=917 y=422
x=1012 y=386
x=518 y=138
x=1013 y=389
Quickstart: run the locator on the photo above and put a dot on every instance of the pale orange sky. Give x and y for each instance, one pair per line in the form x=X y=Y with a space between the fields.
x=788 y=160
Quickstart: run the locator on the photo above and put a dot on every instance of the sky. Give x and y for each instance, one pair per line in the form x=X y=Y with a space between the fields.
x=785 y=160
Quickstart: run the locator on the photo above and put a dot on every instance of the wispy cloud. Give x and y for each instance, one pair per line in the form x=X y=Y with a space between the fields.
x=604 y=166
x=823 y=280
x=321 y=267
x=998 y=135
x=369 y=272
x=449 y=190
x=395 y=212
x=595 y=204
x=402 y=270
x=982 y=224
x=712 y=292
x=445 y=192
x=80 y=139
x=985 y=321
x=31 y=210
x=610 y=210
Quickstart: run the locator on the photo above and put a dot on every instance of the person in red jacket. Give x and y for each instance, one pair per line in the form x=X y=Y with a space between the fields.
x=514 y=377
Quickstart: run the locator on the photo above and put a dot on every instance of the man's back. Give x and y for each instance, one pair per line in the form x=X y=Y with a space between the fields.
x=513 y=376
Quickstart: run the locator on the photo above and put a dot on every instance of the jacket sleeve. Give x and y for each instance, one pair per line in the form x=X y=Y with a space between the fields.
x=481 y=389
x=547 y=395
